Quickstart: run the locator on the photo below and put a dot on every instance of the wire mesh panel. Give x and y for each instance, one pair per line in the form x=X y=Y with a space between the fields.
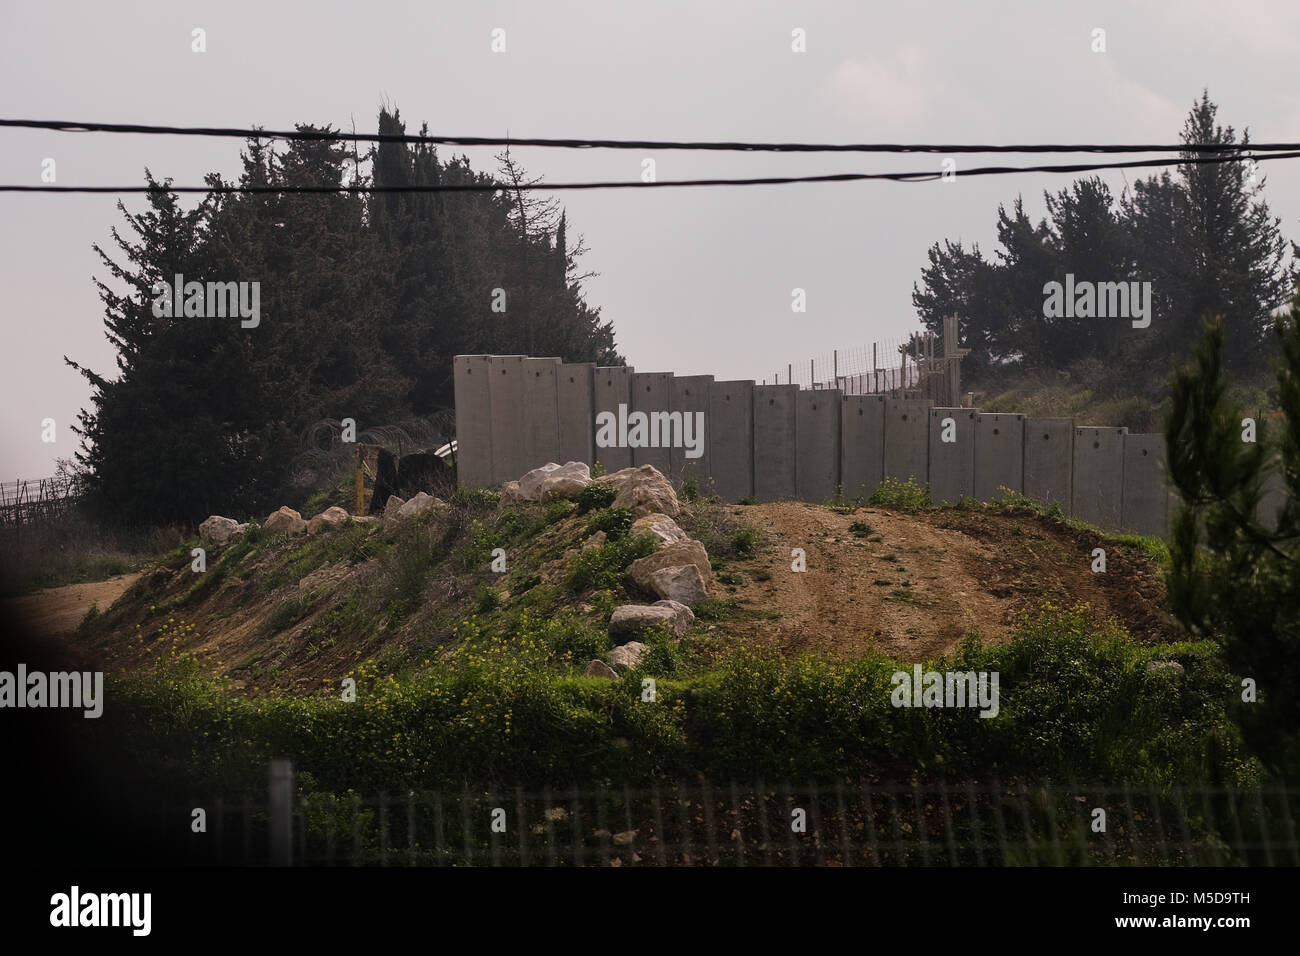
x=867 y=823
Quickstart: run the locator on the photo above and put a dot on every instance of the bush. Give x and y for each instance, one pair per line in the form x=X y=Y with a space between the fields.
x=746 y=540
x=900 y=494
x=557 y=510
x=615 y=522
x=603 y=567
x=594 y=497
x=860 y=529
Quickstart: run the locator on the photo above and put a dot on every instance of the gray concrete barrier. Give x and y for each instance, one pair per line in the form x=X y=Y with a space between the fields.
x=575 y=391
x=862 y=444
x=731 y=444
x=999 y=455
x=690 y=396
x=541 y=437
x=907 y=439
x=1099 y=475
x=817 y=444
x=509 y=453
x=1144 y=505
x=473 y=421
x=613 y=388
x=774 y=442
x=952 y=464
x=1049 y=461
x=652 y=393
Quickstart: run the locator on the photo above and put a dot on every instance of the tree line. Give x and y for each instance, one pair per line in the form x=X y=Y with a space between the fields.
x=1203 y=238
x=364 y=300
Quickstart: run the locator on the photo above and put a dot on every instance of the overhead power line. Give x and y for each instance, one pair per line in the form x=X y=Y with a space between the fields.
x=908 y=177
x=70 y=126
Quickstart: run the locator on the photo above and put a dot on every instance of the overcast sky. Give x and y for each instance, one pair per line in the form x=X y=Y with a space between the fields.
x=696 y=281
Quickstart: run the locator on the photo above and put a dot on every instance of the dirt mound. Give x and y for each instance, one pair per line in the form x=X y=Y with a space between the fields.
x=912 y=585
x=56 y=612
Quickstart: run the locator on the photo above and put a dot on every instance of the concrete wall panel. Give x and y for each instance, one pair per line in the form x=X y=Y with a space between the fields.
x=907 y=439
x=1049 y=461
x=613 y=387
x=999 y=454
x=690 y=396
x=862 y=444
x=509 y=454
x=1145 y=502
x=541 y=412
x=575 y=397
x=952 y=464
x=774 y=442
x=731 y=446
x=473 y=421
x=817 y=444
x=1099 y=475
x=652 y=392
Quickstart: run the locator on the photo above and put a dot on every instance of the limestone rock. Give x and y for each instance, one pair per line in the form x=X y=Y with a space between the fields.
x=641 y=570
x=216 y=531
x=285 y=521
x=391 y=507
x=595 y=541
x=328 y=520
x=631 y=619
x=600 y=669
x=645 y=490
x=664 y=528
x=683 y=584
x=567 y=481
x=418 y=505
x=530 y=485
x=626 y=656
x=1167 y=667
x=510 y=493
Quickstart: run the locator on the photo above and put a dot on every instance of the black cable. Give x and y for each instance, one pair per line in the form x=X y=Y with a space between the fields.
x=913 y=177
x=69 y=126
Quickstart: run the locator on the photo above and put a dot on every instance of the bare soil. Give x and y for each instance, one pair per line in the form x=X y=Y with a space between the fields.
x=916 y=584
x=56 y=612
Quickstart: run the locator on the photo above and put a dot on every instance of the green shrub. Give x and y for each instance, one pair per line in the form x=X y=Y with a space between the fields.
x=900 y=494
x=603 y=567
x=615 y=522
x=745 y=542
x=595 y=497
x=860 y=529
x=489 y=599
x=558 y=510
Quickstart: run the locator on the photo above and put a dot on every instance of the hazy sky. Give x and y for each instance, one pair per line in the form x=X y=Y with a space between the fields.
x=695 y=280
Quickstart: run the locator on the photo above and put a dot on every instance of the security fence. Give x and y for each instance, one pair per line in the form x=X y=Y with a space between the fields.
x=876 y=823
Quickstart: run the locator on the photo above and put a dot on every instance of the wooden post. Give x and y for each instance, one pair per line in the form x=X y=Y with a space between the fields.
x=360 y=486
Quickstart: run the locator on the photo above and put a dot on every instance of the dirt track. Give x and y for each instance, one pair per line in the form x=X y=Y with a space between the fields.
x=917 y=583
x=56 y=612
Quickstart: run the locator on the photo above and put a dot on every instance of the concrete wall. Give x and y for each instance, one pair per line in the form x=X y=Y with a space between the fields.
x=817 y=444
x=652 y=392
x=506 y=397
x=999 y=455
x=1144 y=507
x=613 y=387
x=951 y=463
x=1049 y=461
x=1099 y=475
x=473 y=420
x=575 y=395
x=541 y=412
x=907 y=439
x=690 y=396
x=731 y=444
x=776 y=442
x=862 y=444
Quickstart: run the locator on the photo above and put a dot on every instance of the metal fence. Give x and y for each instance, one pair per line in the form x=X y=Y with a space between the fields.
x=35 y=499
x=982 y=823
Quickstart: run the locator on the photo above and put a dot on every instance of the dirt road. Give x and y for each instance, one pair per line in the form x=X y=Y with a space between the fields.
x=56 y=612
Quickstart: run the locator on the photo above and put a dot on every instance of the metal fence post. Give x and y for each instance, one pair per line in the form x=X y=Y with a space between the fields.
x=281 y=807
